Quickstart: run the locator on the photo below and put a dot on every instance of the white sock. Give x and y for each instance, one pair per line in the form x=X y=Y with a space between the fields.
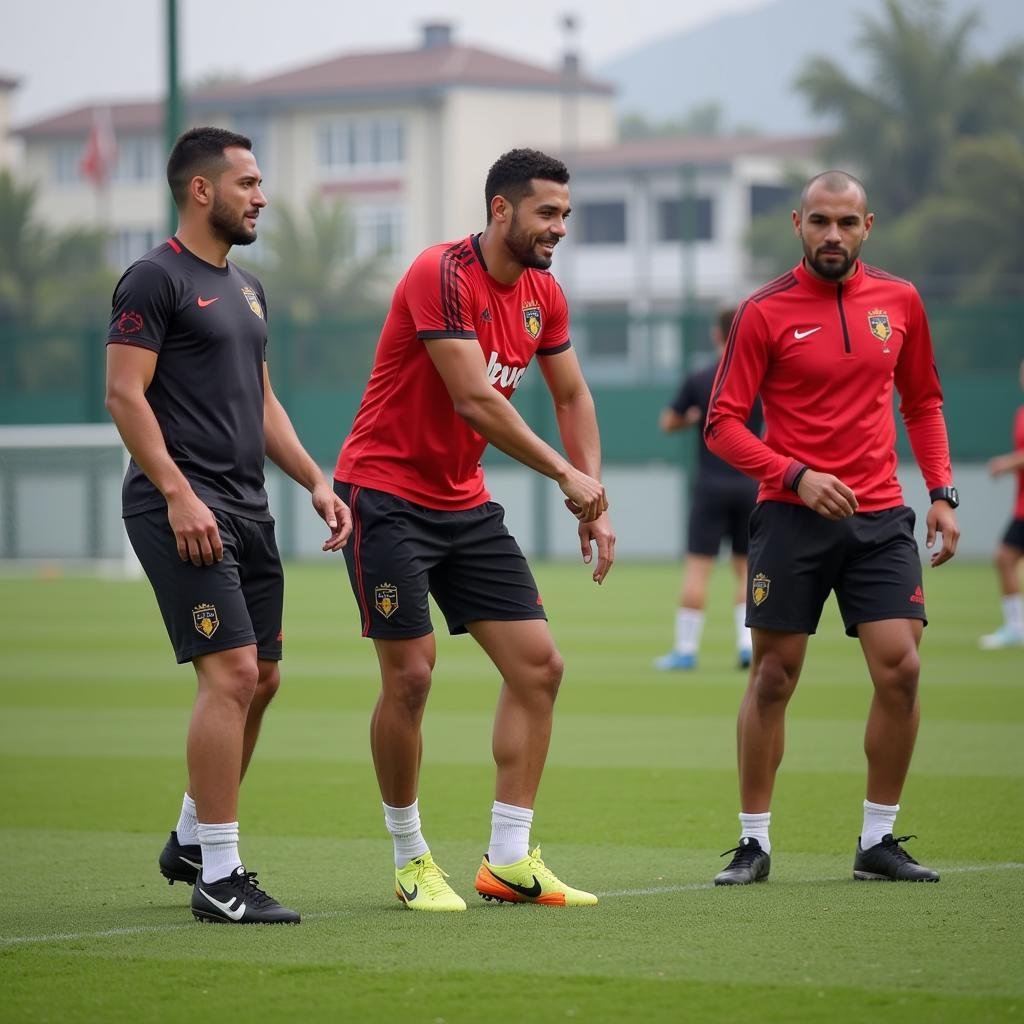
x=755 y=826
x=689 y=624
x=879 y=820
x=187 y=834
x=404 y=825
x=510 y=833
x=220 y=850
x=744 y=642
x=1013 y=612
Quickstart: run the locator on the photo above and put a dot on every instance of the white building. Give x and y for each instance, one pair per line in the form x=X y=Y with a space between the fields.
x=7 y=87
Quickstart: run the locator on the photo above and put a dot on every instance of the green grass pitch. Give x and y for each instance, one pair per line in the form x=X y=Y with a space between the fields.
x=638 y=801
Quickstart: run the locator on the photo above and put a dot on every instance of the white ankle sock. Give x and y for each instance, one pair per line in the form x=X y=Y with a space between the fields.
x=1013 y=612
x=755 y=826
x=689 y=625
x=510 y=833
x=879 y=820
x=220 y=849
x=743 y=638
x=187 y=834
x=404 y=825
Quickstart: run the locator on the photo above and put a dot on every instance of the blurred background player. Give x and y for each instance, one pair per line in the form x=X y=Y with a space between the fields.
x=1011 y=549
x=721 y=500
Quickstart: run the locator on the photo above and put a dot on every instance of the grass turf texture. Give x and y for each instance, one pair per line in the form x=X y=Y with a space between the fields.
x=638 y=800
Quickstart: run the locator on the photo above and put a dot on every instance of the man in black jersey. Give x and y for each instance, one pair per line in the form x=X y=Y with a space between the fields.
x=721 y=500
x=187 y=386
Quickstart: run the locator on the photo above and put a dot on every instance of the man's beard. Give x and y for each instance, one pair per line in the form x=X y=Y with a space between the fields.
x=518 y=243
x=228 y=226
x=831 y=271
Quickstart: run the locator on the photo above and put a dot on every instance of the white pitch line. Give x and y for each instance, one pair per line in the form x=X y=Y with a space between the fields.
x=694 y=886
x=661 y=890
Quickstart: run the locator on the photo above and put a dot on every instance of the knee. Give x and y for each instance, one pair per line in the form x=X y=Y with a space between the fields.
x=541 y=677
x=233 y=678
x=268 y=682
x=896 y=680
x=774 y=680
x=408 y=686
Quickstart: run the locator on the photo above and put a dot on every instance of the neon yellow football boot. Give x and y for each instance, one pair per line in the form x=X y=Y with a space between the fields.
x=421 y=885
x=529 y=880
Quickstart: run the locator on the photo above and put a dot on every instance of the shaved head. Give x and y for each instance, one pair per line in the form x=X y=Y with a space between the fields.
x=835 y=183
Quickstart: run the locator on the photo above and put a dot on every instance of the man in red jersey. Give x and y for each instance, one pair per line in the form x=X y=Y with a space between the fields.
x=823 y=346
x=465 y=321
x=1011 y=549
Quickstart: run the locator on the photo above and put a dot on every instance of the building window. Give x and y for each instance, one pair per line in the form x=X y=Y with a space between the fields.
x=67 y=158
x=602 y=223
x=765 y=198
x=137 y=160
x=365 y=145
x=378 y=231
x=694 y=215
x=127 y=245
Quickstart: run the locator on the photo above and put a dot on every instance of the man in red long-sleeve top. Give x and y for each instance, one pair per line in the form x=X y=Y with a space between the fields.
x=823 y=345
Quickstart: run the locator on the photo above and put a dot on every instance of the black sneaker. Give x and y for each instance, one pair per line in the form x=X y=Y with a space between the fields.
x=751 y=864
x=889 y=862
x=180 y=863
x=237 y=899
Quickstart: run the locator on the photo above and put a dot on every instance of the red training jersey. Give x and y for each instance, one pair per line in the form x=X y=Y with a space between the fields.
x=407 y=439
x=824 y=357
x=1018 y=445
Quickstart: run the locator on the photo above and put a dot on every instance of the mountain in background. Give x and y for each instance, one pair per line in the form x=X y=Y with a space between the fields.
x=747 y=63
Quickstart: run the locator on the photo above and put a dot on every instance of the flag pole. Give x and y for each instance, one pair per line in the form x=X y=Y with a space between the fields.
x=172 y=108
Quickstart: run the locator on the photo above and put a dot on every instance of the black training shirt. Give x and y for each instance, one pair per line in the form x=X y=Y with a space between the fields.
x=208 y=327
x=696 y=391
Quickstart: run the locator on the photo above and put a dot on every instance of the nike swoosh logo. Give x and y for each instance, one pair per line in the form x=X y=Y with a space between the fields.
x=203 y=303
x=409 y=896
x=803 y=334
x=190 y=863
x=532 y=891
x=235 y=915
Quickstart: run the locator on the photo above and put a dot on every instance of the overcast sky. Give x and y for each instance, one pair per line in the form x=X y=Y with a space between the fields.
x=67 y=53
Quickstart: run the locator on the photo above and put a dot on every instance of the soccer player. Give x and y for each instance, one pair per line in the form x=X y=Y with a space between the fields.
x=465 y=322
x=721 y=501
x=187 y=386
x=823 y=345
x=1011 y=550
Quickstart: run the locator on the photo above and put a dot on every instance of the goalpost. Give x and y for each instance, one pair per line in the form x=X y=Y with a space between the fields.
x=60 y=500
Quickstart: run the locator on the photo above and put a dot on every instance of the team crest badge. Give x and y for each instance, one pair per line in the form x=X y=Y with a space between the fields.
x=531 y=320
x=205 y=618
x=759 y=588
x=878 y=321
x=385 y=597
x=252 y=298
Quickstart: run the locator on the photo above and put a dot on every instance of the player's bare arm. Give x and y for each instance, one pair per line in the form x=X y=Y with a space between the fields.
x=1008 y=463
x=130 y=370
x=490 y=414
x=827 y=495
x=286 y=452
x=670 y=421
x=941 y=519
x=577 y=426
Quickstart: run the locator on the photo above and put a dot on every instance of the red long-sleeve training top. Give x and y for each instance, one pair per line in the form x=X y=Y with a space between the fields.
x=824 y=357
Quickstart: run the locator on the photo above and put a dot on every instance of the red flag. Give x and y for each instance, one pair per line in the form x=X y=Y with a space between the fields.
x=101 y=150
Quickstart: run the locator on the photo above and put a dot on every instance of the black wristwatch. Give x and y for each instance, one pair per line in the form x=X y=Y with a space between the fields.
x=948 y=494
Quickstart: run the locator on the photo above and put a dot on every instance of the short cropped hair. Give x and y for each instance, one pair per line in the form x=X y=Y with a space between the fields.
x=510 y=175
x=199 y=151
x=835 y=182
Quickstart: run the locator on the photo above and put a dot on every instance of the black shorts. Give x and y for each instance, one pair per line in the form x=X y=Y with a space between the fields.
x=870 y=560
x=206 y=608
x=399 y=552
x=720 y=510
x=1014 y=536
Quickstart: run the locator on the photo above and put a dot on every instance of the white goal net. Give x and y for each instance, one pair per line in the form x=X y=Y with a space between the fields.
x=60 y=499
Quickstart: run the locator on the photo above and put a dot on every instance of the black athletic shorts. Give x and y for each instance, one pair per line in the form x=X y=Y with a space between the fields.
x=717 y=510
x=206 y=608
x=399 y=552
x=1014 y=536
x=870 y=560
